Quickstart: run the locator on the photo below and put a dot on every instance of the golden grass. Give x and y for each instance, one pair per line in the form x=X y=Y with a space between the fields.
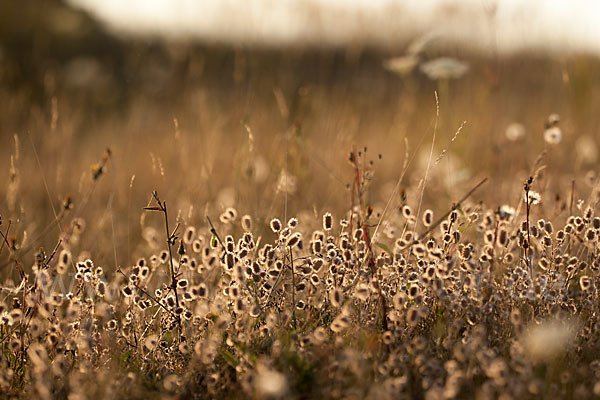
x=277 y=234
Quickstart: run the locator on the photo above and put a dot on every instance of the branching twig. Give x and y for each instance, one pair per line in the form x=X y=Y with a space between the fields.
x=162 y=207
x=356 y=191
x=293 y=289
x=4 y=235
x=48 y=259
x=11 y=252
x=527 y=187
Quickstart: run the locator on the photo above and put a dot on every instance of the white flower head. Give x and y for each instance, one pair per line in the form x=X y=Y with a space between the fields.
x=515 y=131
x=506 y=212
x=270 y=383
x=553 y=135
x=549 y=339
x=444 y=68
x=403 y=65
x=533 y=197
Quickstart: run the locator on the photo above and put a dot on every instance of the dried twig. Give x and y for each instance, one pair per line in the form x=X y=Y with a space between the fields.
x=171 y=236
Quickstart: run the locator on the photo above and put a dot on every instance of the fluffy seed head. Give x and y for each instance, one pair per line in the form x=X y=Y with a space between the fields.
x=275 y=225
x=327 y=222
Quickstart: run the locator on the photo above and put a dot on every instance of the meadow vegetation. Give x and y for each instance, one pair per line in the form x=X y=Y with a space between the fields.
x=259 y=231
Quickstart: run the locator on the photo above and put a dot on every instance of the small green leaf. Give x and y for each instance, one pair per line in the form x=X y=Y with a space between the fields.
x=126 y=356
x=464 y=228
x=256 y=321
x=230 y=358
x=384 y=247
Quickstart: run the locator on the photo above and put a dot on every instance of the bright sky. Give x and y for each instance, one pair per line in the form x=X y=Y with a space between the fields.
x=548 y=25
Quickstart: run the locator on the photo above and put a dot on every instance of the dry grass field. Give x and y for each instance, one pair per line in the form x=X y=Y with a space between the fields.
x=198 y=222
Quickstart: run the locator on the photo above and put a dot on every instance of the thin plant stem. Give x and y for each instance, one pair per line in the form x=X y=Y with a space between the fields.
x=293 y=289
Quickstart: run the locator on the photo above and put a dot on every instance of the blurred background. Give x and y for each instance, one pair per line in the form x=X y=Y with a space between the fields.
x=256 y=104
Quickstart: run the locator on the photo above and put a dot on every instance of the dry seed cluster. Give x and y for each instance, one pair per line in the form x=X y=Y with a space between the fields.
x=475 y=307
